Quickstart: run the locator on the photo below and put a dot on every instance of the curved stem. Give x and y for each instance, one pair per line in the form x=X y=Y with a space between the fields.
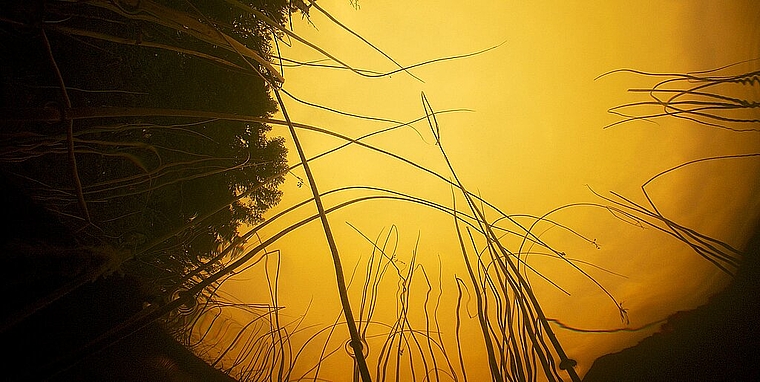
x=69 y=131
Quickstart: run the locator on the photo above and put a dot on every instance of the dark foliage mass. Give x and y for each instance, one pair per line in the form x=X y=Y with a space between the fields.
x=143 y=169
x=141 y=127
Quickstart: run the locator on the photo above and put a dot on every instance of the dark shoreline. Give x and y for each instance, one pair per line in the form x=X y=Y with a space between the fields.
x=39 y=342
x=719 y=341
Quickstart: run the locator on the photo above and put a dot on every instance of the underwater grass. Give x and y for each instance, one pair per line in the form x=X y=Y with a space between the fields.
x=701 y=97
x=520 y=343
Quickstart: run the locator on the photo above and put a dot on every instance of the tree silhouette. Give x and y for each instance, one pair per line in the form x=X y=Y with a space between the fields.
x=148 y=171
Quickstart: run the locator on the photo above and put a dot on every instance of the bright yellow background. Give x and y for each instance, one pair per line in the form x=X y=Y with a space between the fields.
x=532 y=142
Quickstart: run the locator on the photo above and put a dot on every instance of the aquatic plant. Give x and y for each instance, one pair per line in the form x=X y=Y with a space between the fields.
x=186 y=263
x=710 y=97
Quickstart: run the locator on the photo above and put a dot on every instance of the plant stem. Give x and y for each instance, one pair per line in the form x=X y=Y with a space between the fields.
x=356 y=342
x=69 y=131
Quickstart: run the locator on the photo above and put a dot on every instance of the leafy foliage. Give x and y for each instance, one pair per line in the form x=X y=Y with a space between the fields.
x=147 y=171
